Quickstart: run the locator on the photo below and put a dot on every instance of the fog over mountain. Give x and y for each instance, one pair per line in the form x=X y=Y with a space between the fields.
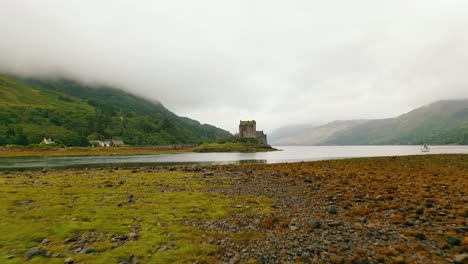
x=278 y=62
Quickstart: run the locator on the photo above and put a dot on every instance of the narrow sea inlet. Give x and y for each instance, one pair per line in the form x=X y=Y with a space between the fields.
x=287 y=154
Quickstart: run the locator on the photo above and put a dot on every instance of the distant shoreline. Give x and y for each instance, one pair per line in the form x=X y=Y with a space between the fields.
x=138 y=150
x=90 y=151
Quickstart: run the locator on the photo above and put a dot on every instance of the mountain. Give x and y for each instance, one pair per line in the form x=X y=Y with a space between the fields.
x=73 y=113
x=442 y=122
x=310 y=134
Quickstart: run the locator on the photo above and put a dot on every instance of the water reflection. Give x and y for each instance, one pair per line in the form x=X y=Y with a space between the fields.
x=289 y=154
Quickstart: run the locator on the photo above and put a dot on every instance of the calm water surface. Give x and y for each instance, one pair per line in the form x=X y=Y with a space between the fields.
x=288 y=154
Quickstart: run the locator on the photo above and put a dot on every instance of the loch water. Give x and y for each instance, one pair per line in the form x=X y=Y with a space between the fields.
x=287 y=154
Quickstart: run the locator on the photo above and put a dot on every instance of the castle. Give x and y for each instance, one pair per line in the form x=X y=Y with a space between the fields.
x=248 y=129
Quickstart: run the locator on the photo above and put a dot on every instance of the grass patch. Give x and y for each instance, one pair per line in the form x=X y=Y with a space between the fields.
x=233 y=147
x=98 y=210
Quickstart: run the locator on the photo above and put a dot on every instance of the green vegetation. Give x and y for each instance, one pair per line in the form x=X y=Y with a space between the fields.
x=234 y=144
x=443 y=122
x=99 y=216
x=73 y=114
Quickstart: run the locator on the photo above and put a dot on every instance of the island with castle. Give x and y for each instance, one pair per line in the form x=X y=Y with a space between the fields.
x=248 y=139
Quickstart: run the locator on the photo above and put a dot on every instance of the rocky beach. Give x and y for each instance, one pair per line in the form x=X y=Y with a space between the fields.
x=406 y=209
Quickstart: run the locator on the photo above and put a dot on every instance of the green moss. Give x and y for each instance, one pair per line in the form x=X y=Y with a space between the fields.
x=93 y=205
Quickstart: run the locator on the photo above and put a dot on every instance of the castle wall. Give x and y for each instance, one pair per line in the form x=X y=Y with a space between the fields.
x=248 y=129
x=261 y=137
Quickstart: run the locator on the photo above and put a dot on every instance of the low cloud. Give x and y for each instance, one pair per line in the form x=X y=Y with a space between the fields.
x=279 y=62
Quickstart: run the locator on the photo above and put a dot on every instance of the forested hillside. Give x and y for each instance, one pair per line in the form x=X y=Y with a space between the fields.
x=74 y=113
x=442 y=122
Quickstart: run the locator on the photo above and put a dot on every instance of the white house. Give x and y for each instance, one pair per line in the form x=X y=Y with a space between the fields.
x=47 y=141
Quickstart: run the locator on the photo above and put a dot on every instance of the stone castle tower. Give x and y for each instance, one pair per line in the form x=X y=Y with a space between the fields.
x=248 y=129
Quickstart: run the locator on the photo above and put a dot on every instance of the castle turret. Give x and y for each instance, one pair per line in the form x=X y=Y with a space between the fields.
x=248 y=129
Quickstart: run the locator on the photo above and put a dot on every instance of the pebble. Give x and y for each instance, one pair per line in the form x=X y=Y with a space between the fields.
x=308 y=180
x=461 y=258
x=32 y=252
x=131 y=198
x=85 y=251
x=331 y=209
x=235 y=259
x=69 y=260
x=248 y=172
x=315 y=223
x=293 y=227
x=454 y=241
x=133 y=236
x=420 y=236
x=164 y=248
x=420 y=211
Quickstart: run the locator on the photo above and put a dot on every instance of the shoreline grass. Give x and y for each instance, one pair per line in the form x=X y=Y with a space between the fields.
x=100 y=216
x=89 y=151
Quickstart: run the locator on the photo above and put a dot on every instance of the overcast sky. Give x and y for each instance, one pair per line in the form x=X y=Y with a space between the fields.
x=278 y=62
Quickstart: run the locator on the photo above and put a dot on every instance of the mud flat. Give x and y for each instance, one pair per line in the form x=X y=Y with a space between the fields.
x=407 y=209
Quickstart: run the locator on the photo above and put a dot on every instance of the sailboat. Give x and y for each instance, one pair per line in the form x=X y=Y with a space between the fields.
x=424 y=147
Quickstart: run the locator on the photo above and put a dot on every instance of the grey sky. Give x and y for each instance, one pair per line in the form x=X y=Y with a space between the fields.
x=279 y=62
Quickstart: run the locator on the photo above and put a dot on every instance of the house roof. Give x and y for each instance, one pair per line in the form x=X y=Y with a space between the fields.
x=118 y=142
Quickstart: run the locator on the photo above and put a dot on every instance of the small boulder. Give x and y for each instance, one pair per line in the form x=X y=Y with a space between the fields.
x=314 y=223
x=69 y=261
x=420 y=236
x=293 y=227
x=453 y=241
x=331 y=209
x=132 y=236
x=131 y=198
x=85 y=251
x=460 y=258
x=32 y=252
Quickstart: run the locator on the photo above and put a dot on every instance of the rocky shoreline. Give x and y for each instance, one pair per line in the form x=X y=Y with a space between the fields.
x=407 y=209
x=377 y=210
